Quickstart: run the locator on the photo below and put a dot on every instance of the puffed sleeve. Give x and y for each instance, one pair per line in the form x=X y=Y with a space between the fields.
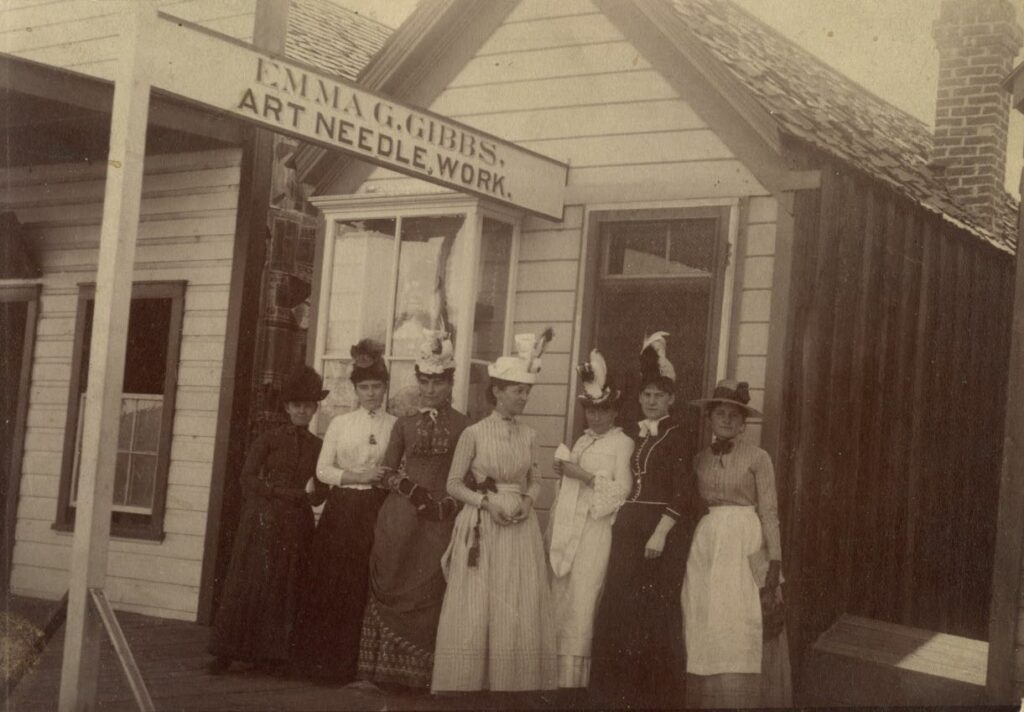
x=768 y=505
x=465 y=451
x=686 y=503
x=533 y=474
x=612 y=488
x=326 y=469
x=252 y=483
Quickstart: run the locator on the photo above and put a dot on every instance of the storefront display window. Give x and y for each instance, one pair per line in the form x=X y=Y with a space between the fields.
x=391 y=274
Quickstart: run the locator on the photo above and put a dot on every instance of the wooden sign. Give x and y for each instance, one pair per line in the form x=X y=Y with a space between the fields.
x=292 y=98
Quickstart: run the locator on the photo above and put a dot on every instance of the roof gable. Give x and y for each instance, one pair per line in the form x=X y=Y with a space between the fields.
x=332 y=38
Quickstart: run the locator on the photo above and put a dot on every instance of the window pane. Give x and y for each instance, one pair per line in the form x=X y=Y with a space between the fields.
x=142 y=483
x=146 y=356
x=147 y=425
x=145 y=364
x=670 y=248
x=124 y=435
x=692 y=246
x=428 y=281
x=636 y=248
x=342 y=395
x=121 y=479
x=403 y=393
x=478 y=406
x=358 y=299
x=492 y=298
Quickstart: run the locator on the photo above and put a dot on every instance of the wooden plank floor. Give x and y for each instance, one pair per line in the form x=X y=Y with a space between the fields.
x=172 y=657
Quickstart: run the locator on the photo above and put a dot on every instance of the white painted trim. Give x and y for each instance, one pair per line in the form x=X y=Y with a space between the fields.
x=472 y=231
x=326 y=282
x=658 y=205
x=20 y=282
x=728 y=295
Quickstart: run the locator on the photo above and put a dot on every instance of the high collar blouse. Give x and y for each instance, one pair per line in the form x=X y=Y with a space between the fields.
x=606 y=456
x=358 y=438
x=498 y=447
x=745 y=477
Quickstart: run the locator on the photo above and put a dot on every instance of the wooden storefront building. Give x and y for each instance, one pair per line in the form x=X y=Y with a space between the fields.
x=784 y=225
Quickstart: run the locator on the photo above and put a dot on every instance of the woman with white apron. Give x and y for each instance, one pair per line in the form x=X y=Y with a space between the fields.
x=734 y=658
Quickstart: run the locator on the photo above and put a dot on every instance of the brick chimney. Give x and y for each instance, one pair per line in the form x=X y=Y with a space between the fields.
x=977 y=42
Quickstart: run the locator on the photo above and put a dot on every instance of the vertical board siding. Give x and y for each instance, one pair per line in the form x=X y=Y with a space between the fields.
x=183 y=235
x=82 y=34
x=894 y=396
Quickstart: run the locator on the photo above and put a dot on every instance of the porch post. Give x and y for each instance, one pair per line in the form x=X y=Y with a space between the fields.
x=121 y=204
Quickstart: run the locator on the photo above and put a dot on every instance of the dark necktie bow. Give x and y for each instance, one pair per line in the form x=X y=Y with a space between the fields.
x=721 y=447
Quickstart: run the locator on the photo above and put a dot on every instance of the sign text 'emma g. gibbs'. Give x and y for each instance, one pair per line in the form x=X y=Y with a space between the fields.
x=336 y=114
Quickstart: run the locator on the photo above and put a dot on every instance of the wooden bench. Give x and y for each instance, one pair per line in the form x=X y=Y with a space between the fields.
x=860 y=661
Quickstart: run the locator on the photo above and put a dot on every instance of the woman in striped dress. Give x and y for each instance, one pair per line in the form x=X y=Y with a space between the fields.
x=496 y=630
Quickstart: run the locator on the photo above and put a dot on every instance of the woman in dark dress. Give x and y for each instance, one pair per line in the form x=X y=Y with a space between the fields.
x=638 y=653
x=256 y=617
x=413 y=529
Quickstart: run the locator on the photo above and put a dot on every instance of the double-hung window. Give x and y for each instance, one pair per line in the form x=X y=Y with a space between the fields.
x=147 y=409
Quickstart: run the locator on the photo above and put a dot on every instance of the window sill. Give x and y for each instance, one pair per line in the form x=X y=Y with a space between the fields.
x=118 y=531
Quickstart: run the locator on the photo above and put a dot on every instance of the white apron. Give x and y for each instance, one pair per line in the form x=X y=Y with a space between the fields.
x=720 y=597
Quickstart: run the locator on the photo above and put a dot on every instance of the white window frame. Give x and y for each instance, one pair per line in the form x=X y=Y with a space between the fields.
x=339 y=209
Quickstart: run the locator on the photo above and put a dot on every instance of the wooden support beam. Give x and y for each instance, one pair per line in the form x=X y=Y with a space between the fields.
x=121 y=206
x=234 y=409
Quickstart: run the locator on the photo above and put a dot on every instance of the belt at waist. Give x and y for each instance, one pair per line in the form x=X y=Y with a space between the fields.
x=640 y=501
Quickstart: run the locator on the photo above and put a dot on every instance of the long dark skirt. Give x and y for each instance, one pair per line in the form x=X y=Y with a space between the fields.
x=406 y=592
x=332 y=612
x=638 y=655
x=260 y=599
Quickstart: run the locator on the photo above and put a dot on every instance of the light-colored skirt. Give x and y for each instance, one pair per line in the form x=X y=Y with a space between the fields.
x=576 y=596
x=496 y=630
x=728 y=662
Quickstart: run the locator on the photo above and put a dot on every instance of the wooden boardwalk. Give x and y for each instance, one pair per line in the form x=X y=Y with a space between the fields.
x=172 y=657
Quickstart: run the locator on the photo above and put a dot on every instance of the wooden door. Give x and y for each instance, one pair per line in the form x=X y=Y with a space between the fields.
x=658 y=271
x=17 y=336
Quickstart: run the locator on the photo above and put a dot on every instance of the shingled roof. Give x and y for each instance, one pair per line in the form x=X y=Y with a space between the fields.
x=819 y=106
x=332 y=38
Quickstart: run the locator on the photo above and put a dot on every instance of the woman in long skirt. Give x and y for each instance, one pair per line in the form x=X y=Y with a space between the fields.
x=734 y=657
x=595 y=482
x=638 y=654
x=331 y=618
x=413 y=530
x=256 y=617
x=496 y=630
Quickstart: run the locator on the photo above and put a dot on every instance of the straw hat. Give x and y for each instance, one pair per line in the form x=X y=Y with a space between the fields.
x=525 y=365
x=730 y=391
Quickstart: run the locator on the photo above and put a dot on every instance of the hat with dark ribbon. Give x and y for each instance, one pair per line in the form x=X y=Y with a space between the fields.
x=730 y=391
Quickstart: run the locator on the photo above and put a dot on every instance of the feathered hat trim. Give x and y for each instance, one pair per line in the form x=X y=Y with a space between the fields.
x=524 y=366
x=437 y=353
x=654 y=362
x=594 y=378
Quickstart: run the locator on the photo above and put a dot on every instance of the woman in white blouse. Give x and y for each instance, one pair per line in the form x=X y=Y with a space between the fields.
x=736 y=651
x=355 y=442
x=596 y=480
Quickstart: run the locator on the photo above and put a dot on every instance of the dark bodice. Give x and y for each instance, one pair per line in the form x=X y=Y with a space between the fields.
x=280 y=462
x=426 y=446
x=663 y=472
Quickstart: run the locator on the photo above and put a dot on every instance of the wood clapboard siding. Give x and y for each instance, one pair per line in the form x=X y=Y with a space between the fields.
x=894 y=397
x=183 y=235
x=82 y=34
x=560 y=79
